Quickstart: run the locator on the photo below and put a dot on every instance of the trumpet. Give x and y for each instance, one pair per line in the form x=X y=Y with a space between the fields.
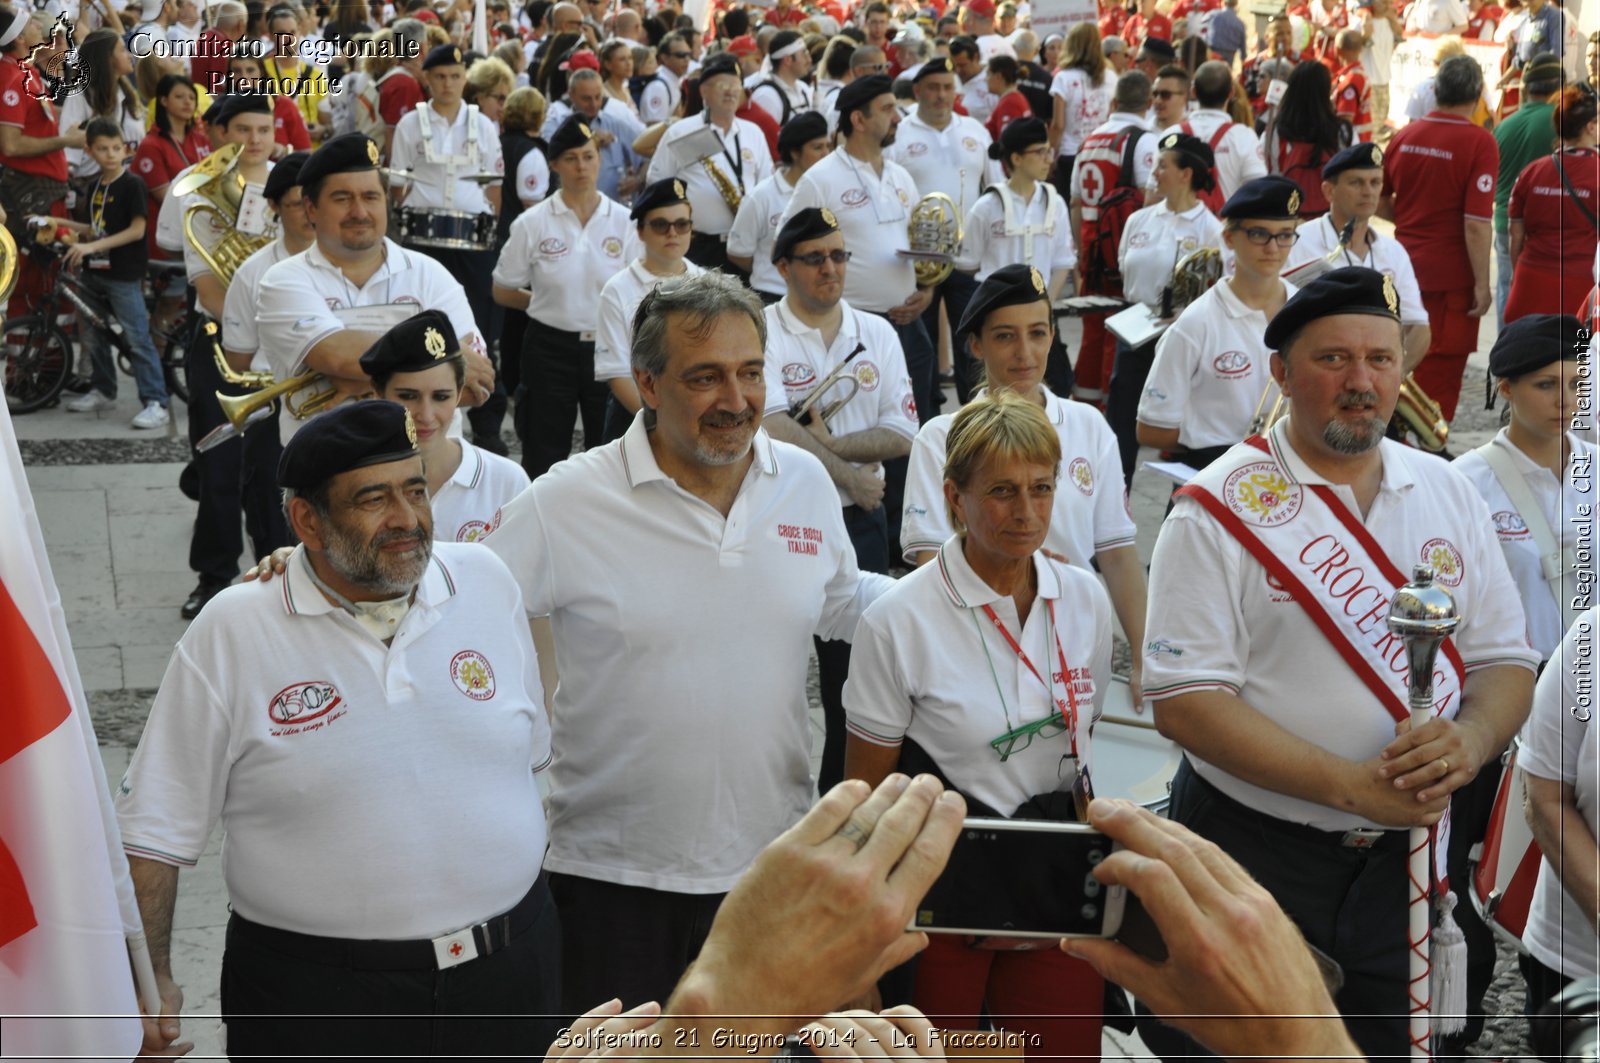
x=248 y=379
x=242 y=411
x=808 y=408
x=1424 y=417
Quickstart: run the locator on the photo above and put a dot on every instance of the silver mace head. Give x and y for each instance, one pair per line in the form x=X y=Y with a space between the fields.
x=1423 y=614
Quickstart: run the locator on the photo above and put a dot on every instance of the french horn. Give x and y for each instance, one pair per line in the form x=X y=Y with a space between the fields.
x=934 y=230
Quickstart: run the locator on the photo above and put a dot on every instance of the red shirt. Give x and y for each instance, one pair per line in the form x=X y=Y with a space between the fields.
x=287 y=125
x=1325 y=50
x=1440 y=169
x=769 y=125
x=1352 y=99
x=1137 y=28
x=792 y=17
x=1012 y=105
x=1185 y=8
x=35 y=117
x=159 y=159
x=1554 y=228
x=209 y=67
x=1481 y=26
x=1112 y=21
x=398 y=96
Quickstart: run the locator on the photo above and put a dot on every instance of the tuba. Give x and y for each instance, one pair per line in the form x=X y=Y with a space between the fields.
x=8 y=264
x=216 y=179
x=935 y=236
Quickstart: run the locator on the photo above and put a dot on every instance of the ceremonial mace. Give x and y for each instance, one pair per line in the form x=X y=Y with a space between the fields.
x=1423 y=614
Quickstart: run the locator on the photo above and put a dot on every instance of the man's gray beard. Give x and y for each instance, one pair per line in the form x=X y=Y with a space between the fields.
x=367 y=565
x=1354 y=438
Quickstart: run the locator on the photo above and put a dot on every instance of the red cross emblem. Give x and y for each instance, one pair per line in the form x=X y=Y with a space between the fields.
x=455 y=949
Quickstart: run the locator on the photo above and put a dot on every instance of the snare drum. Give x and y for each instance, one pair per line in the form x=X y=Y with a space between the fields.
x=1129 y=758
x=1506 y=864
x=454 y=230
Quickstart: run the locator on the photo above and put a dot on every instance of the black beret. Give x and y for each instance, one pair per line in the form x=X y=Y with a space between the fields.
x=1534 y=341
x=812 y=223
x=801 y=130
x=1270 y=198
x=420 y=342
x=718 y=65
x=1349 y=290
x=861 y=92
x=1018 y=136
x=346 y=153
x=1159 y=47
x=443 y=55
x=349 y=436
x=285 y=175
x=1011 y=285
x=668 y=192
x=234 y=104
x=937 y=65
x=1359 y=156
x=1194 y=153
x=573 y=133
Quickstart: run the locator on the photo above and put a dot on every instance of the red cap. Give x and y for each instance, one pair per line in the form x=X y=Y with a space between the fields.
x=582 y=61
x=426 y=15
x=745 y=45
x=981 y=8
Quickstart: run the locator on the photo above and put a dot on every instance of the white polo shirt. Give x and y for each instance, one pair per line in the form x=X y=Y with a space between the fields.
x=765 y=94
x=169 y=218
x=684 y=736
x=744 y=160
x=613 y=339
x=1090 y=512
x=992 y=44
x=873 y=211
x=440 y=154
x=1389 y=257
x=1215 y=623
x=1154 y=240
x=467 y=507
x=660 y=97
x=239 y=331
x=303 y=297
x=533 y=178
x=339 y=766
x=1210 y=370
x=929 y=665
x=1039 y=232
x=976 y=97
x=1238 y=154
x=1559 y=746
x=755 y=230
x=798 y=361
x=953 y=160
x=564 y=262
x=1568 y=507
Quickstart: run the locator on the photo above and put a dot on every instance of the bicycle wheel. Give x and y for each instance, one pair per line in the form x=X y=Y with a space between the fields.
x=172 y=356
x=37 y=358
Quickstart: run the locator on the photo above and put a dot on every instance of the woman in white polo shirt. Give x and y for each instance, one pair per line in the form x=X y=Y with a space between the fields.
x=418 y=365
x=1009 y=326
x=988 y=667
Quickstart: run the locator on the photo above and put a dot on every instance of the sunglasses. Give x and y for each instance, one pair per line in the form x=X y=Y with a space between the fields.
x=1167 y=94
x=678 y=55
x=662 y=226
x=816 y=258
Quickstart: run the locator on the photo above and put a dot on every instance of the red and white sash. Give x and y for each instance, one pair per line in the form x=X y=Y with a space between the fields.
x=1308 y=540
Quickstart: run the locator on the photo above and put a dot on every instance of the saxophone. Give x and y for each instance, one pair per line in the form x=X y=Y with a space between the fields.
x=730 y=191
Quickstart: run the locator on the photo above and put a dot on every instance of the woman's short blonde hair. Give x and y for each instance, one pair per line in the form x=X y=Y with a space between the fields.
x=997 y=426
x=485 y=76
x=524 y=112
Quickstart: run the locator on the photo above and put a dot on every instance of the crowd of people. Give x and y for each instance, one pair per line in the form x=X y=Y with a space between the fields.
x=747 y=257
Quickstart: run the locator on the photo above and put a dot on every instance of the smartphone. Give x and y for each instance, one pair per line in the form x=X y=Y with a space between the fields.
x=1024 y=879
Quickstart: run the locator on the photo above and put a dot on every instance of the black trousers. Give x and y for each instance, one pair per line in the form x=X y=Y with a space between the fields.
x=218 y=539
x=709 y=251
x=617 y=421
x=950 y=299
x=1347 y=902
x=558 y=375
x=284 y=999
x=626 y=941
x=264 y=519
x=475 y=271
x=1128 y=377
x=869 y=534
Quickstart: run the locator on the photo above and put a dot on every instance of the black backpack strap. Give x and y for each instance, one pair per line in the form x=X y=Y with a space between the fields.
x=1129 y=146
x=783 y=98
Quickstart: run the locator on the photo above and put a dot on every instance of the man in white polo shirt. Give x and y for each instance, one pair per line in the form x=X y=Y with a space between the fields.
x=685 y=569
x=845 y=375
x=802 y=143
x=1237 y=150
x=370 y=721
x=1353 y=182
x=783 y=92
x=1269 y=661
x=322 y=309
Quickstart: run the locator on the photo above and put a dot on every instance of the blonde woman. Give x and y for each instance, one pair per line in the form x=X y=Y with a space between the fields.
x=489 y=84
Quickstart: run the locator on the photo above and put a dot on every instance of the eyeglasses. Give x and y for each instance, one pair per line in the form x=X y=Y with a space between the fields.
x=1042 y=151
x=876 y=68
x=1167 y=94
x=816 y=258
x=1019 y=738
x=1263 y=237
x=661 y=226
x=497 y=96
x=677 y=55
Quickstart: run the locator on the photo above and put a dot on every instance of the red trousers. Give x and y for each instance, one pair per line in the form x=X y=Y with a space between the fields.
x=1055 y=1001
x=1455 y=337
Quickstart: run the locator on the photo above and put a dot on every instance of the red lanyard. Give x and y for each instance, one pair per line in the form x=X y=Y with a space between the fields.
x=1068 y=708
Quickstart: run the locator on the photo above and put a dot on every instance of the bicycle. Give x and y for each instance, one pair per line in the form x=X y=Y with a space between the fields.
x=36 y=349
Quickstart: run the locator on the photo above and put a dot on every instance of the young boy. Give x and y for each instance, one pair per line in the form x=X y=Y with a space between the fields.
x=112 y=252
x=1011 y=103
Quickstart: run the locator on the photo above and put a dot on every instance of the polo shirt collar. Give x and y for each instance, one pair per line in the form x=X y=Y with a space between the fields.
x=639 y=461
x=967 y=590
x=1055 y=407
x=558 y=205
x=1398 y=472
x=470 y=470
x=1230 y=302
x=395 y=260
x=849 y=324
x=302 y=598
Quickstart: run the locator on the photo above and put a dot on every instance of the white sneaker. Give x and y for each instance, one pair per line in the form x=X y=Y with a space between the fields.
x=90 y=401
x=154 y=415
